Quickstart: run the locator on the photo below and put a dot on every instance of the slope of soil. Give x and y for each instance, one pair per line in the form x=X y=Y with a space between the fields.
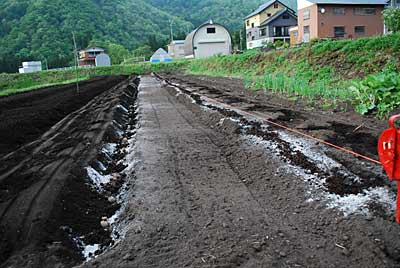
x=46 y=202
x=26 y=116
x=208 y=192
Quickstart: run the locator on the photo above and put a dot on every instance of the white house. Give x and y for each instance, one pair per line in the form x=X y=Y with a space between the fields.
x=207 y=40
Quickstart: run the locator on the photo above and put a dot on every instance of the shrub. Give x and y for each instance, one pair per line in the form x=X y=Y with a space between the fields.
x=392 y=18
x=377 y=93
x=279 y=43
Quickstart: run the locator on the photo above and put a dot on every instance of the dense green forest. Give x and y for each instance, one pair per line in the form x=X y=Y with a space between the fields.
x=42 y=30
x=228 y=13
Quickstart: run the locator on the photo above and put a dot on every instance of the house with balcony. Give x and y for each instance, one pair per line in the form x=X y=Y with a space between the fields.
x=93 y=56
x=339 y=19
x=269 y=23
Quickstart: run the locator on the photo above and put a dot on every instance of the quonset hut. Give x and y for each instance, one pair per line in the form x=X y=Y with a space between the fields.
x=207 y=40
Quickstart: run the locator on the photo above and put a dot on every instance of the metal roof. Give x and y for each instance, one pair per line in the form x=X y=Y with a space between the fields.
x=276 y=15
x=265 y=6
x=351 y=2
x=178 y=42
x=189 y=50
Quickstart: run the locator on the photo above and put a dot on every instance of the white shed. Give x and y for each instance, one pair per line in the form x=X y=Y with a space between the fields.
x=208 y=40
x=103 y=60
x=30 y=67
x=160 y=56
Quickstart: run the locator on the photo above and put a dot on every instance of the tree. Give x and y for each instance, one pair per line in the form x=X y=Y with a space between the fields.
x=143 y=51
x=117 y=52
x=392 y=18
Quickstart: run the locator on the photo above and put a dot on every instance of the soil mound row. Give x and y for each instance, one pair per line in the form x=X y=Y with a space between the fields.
x=50 y=206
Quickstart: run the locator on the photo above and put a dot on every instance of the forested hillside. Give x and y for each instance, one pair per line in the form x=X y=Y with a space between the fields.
x=42 y=30
x=228 y=13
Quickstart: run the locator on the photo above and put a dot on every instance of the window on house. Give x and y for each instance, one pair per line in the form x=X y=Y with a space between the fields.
x=306 y=31
x=252 y=38
x=252 y=25
x=364 y=11
x=286 y=31
x=339 y=11
x=211 y=30
x=338 y=31
x=306 y=15
x=276 y=5
x=359 y=30
x=263 y=32
x=269 y=14
x=248 y=23
x=278 y=31
x=285 y=16
x=281 y=31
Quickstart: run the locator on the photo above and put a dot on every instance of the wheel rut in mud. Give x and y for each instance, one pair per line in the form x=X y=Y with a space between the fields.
x=60 y=192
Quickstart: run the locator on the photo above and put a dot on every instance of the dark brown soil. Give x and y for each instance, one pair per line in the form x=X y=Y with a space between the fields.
x=205 y=186
x=46 y=201
x=345 y=129
x=204 y=195
x=26 y=116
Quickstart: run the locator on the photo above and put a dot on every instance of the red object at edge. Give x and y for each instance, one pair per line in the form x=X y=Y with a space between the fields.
x=389 y=155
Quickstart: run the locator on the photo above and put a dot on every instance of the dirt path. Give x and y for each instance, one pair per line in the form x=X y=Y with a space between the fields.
x=206 y=193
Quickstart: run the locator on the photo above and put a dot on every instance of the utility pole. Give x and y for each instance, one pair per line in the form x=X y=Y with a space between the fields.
x=76 y=62
x=172 y=33
x=241 y=40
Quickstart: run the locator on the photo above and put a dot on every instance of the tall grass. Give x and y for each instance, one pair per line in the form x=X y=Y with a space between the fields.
x=322 y=70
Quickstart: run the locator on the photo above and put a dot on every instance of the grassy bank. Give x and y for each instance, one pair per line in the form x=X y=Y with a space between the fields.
x=14 y=83
x=324 y=71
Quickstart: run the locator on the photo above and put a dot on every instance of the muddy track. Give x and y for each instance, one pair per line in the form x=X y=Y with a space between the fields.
x=45 y=195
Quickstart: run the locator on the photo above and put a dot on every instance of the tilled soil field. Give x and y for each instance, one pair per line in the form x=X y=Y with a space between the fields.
x=181 y=172
x=214 y=188
x=48 y=209
x=25 y=117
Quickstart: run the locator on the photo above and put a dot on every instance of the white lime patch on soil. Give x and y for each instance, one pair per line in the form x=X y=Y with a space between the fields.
x=89 y=251
x=97 y=179
x=349 y=204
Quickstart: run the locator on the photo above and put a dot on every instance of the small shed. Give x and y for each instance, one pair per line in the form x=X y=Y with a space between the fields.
x=207 y=40
x=103 y=60
x=177 y=49
x=30 y=67
x=160 y=56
